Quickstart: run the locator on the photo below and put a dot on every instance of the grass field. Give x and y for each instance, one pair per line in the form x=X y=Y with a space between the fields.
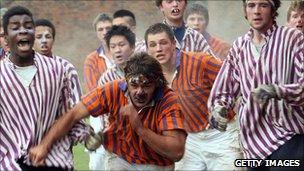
x=81 y=158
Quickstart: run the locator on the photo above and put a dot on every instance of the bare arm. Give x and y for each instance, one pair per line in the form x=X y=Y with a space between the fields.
x=60 y=128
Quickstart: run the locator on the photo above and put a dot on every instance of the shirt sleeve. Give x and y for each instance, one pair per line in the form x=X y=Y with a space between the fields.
x=72 y=94
x=212 y=67
x=226 y=87
x=7 y=151
x=171 y=117
x=203 y=46
x=96 y=100
x=294 y=93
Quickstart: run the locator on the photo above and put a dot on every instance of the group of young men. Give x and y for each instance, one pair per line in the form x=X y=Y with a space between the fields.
x=163 y=103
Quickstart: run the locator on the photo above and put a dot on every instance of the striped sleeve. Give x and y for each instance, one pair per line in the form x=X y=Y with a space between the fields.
x=294 y=93
x=226 y=87
x=171 y=117
x=202 y=45
x=7 y=148
x=211 y=66
x=71 y=96
x=95 y=101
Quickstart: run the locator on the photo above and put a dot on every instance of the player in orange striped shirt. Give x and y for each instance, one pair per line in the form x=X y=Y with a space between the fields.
x=100 y=59
x=146 y=130
x=191 y=76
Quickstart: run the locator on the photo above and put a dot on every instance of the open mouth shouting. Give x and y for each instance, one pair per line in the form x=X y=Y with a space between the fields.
x=24 y=44
x=175 y=12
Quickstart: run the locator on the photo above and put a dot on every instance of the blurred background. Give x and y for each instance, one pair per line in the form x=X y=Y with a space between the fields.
x=75 y=36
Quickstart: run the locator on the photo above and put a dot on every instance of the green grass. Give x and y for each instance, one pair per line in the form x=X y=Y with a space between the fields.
x=81 y=158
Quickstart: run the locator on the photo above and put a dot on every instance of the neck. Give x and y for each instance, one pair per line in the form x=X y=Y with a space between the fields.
x=258 y=34
x=170 y=67
x=257 y=37
x=22 y=61
x=106 y=50
x=49 y=55
x=175 y=23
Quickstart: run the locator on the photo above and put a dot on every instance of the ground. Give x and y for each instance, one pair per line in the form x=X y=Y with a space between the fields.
x=81 y=158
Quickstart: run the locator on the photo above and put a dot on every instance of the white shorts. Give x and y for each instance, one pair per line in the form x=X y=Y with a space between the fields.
x=97 y=159
x=211 y=150
x=114 y=162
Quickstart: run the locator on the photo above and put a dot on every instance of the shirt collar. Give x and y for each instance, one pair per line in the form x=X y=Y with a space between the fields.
x=173 y=27
x=265 y=35
x=159 y=92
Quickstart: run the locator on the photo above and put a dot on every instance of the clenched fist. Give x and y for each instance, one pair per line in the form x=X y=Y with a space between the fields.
x=93 y=141
x=219 y=118
x=264 y=92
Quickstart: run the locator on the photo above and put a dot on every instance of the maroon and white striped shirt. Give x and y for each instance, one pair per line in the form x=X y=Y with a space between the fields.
x=28 y=112
x=264 y=129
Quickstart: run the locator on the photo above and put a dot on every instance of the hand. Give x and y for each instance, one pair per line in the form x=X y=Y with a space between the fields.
x=263 y=93
x=219 y=118
x=93 y=141
x=130 y=111
x=38 y=154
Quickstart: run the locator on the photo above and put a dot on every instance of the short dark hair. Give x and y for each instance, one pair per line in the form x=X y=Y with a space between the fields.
x=120 y=31
x=197 y=9
x=143 y=63
x=15 y=10
x=125 y=13
x=159 y=28
x=158 y=2
x=101 y=17
x=294 y=6
x=47 y=23
x=277 y=4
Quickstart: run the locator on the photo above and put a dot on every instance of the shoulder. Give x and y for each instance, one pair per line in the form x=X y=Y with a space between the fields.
x=219 y=41
x=199 y=57
x=48 y=64
x=289 y=32
x=64 y=61
x=169 y=98
x=92 y=56
x=193 y=33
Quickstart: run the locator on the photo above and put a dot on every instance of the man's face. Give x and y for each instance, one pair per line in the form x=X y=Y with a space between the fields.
x=120 y=49
x=141 y=90
x=102 y=27
x=44 y=40
x=173 y=10
x=296 y=20
x=259 y=14
x=197 y=22
x=161 y=47
x=123 y=21
x=20 y=35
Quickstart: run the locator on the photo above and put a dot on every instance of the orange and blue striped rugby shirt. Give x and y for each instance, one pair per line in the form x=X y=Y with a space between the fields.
x=120 y=138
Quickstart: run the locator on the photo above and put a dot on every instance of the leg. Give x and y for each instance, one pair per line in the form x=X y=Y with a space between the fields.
x=192 y=159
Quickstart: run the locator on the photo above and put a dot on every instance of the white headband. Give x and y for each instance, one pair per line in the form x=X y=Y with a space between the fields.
x=270 y=1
